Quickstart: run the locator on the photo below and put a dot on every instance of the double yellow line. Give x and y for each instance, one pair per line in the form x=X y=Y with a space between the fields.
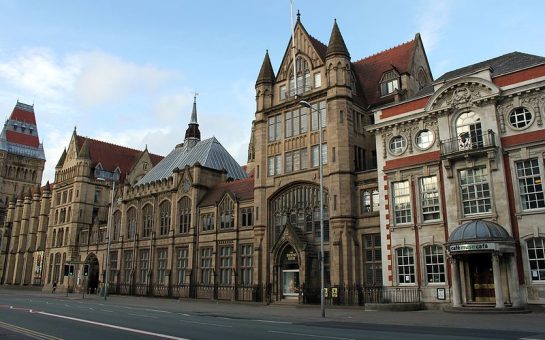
x=28 y=332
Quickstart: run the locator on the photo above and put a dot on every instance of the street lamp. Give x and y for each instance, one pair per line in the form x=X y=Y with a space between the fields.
x=306 y=104
x=110 y=221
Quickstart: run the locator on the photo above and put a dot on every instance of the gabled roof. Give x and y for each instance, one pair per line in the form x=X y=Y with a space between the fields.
x=111 y=156
x=500 y=65
x=209 y=153
x=243 y=189
x=369 y=70
x=20 y=133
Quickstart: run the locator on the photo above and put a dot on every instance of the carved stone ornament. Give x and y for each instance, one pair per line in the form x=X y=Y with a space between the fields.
x=535 y=103
x=501 y=111
x=462 y=96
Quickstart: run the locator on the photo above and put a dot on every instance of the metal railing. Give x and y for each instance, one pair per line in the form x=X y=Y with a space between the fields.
x=357 y=295
x=467 y=143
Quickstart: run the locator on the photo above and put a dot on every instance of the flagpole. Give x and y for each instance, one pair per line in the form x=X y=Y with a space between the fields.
x=293 y=50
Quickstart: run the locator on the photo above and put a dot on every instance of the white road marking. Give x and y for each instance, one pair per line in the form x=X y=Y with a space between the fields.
x=186 y=315
x=114 y=326
x=106 y=310
x=157 y=310
x=311 y=335
x=272 y=321
x=206 y=323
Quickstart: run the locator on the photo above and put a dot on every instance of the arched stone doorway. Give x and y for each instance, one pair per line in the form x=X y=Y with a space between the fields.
x=483 y=265
x=93 y=273
x=289 y=271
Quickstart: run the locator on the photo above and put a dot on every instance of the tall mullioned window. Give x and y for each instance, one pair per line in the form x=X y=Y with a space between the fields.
x=164 y=218
x=296 y=122
x=536 y=257
x=435 y=264
x=162 y=259
x=402 y=202
x=147 y=220
x=246 y=219
x=318 y=109
x=296 y=160
x=131 y=223
x=206 y=265
x=530 y=184
x=373 y=260
x=429 y=198
x=207 y=222
x=369 y=200
x=475 y=191
x=405 y=265
x=127 y=266
x=274 y=165
x=225 y=265
x=144 y=266
x=275 y=128
x=246 y=264
x=182 y=262
x=315 y=154
x=184 y=211
x=116 y=225
x=226 y=211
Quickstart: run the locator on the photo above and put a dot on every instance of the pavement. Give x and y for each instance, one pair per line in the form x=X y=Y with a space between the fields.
x=532 y=322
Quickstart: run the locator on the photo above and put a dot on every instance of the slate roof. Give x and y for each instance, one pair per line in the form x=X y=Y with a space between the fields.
x=20 y=133
x=209 y=153
x=336 y=43
x=266 y=73
x=369 y=70
x=243 y=189
x=500 y=65
x=111 y=156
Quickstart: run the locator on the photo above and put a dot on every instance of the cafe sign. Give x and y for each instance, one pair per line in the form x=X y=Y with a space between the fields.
x=456 y=248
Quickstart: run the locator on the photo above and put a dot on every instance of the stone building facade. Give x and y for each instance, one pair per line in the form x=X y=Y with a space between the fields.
x=431 y=187
x=461 y=169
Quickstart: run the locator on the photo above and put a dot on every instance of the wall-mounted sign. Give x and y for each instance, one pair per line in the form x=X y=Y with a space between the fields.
x=291 y=256
x=441 y=294
x=473 y=247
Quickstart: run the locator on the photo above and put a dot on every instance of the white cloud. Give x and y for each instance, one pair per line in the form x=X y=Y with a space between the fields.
x=433 y=18
x=105 y=77
x=38 y=73
x=173 y=106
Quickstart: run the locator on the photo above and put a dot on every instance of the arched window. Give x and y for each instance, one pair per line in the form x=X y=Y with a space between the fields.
x=184 y=211
x=226 y=211
x=116 y=225
x=536 y=258
x=63 y=262
x=54 y=239
x=303 y=77
x=147 y=220
x=405 y=265
x=469 y=131
x=300 y=205
x=131 y=223
x=60 y=237
x=164 y=218
x=57 y=267
x=434 y=259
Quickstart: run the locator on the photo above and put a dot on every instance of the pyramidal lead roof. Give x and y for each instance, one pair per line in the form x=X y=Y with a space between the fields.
x=20 y=133
x=336 y=44
x=209 y=153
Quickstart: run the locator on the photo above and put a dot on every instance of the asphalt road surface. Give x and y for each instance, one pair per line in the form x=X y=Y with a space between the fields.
x=48 y=316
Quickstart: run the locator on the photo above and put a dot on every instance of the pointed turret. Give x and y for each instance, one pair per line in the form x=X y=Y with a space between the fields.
x=62 y=159
x=47 y=187
x=193 y=134
x=84 y=151
x=266 y=74
x=336 y=44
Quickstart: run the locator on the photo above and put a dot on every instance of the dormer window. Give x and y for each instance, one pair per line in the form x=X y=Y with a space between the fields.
x=389 y=83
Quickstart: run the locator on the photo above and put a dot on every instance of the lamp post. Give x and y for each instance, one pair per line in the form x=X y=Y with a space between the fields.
x=110 y=221
x=320 y=166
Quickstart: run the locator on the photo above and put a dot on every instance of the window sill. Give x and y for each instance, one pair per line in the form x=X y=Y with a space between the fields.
x=529 y=212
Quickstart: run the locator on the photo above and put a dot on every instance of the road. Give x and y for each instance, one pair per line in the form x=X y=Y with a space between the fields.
x=25 y=315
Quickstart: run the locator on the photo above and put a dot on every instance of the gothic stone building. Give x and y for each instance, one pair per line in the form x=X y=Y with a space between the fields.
x=461 y=171
x=22 y=162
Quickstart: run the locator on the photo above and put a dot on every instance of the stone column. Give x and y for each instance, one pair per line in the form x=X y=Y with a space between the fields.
x=497 y=280
x=514 y=288
x=456 y=291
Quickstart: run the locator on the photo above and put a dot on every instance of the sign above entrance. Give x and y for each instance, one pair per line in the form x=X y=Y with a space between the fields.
x=291 y=256
x=456 y=248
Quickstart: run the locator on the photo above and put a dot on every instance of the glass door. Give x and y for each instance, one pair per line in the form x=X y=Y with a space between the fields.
x=290 y=282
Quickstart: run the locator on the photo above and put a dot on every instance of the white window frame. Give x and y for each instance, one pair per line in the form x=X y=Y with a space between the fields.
x=537 y=179
x=536 y=263
x=428 y=194
x=434 y=264
x=471 y=189
x=520 y=113
x=405 y=266
x=402 y=202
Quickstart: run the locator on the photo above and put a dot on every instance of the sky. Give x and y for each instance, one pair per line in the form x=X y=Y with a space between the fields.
x=125 y=71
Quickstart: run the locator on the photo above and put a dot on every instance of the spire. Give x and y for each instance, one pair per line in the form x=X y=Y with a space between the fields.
x=298 y=16
x=61 y=160
x=84 y=151
x=47 y=187
x=194 y=112
x=266 y=74
x=193 y=134
x=336 y=44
